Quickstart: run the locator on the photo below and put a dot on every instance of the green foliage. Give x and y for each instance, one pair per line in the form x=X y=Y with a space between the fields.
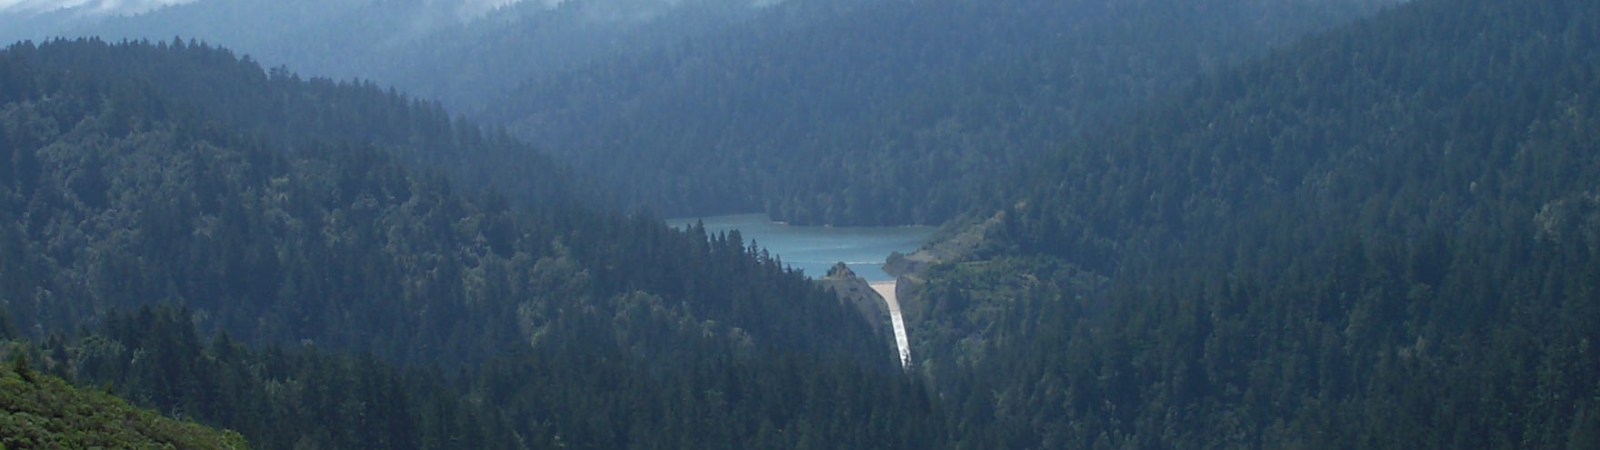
x=284 y=111
x=489 y=324
x=882 y=113
x=456 y=51
x=39 y=411
x=21 y=366
x=277 y=397
x=484 y=322
x=1379 y=238
x=1382 y=237
x=153 y=173
x=575 y=396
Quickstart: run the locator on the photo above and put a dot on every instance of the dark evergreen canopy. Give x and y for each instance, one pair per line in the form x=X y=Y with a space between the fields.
x=1382 y=237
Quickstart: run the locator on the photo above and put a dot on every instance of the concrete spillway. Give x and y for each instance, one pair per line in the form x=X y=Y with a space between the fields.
x=885 y=289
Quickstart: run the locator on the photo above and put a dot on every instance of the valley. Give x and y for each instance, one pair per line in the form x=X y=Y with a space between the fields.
x=1010 y=224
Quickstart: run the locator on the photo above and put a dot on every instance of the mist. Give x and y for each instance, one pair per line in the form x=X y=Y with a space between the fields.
x=88 y=7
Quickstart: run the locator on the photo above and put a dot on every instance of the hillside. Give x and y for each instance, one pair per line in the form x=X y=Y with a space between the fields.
x=576 y=395
x=882 y=113
x=286 y=111
x=462 y=52
x=313 y=289
x=1381 y=237
x=40 y=411
x=287 y=225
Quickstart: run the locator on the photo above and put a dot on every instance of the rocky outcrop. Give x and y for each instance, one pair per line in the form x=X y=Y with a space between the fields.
x=854 y=290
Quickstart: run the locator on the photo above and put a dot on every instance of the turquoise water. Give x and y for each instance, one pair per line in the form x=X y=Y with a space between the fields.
x=815 y=249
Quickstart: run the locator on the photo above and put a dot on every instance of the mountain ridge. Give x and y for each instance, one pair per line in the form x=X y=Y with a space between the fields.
x=891 y=113
x=1352 y=239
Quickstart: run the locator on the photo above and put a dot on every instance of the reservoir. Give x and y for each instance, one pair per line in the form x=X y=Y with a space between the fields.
x=815 y=249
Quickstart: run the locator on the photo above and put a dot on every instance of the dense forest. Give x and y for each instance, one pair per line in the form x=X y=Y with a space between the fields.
x=1382 y=237
x=812 y=111
x=577 y=395
x=464 y=53
x=841 y=112
x=1171 y=225
x=311 y=289
x=884 y=113
x=121 y=195
x=280 y=107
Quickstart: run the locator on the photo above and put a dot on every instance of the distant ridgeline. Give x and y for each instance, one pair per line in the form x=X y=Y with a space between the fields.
x=1387 y=236
x=286 y=112
x=893 y=112
x=458 y=51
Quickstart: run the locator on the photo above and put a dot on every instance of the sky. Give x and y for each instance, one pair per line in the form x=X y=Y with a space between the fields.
x=101 y=6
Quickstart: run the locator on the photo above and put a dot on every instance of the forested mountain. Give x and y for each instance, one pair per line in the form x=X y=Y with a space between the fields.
x=353 y=299
x=472 y=64
x=119 y=194
x=814 y=111
x=892 y=112
x=1386 y=236
x=462 y=52
x=278 y=106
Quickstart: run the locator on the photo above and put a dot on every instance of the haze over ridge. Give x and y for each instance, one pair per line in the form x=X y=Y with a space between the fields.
x=95 y=6
x=107 y=7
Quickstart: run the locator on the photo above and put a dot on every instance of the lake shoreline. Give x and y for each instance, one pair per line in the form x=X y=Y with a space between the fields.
x=815 y=249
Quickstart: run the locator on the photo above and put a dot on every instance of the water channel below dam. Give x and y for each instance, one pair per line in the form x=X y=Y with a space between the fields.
x=815 y=249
